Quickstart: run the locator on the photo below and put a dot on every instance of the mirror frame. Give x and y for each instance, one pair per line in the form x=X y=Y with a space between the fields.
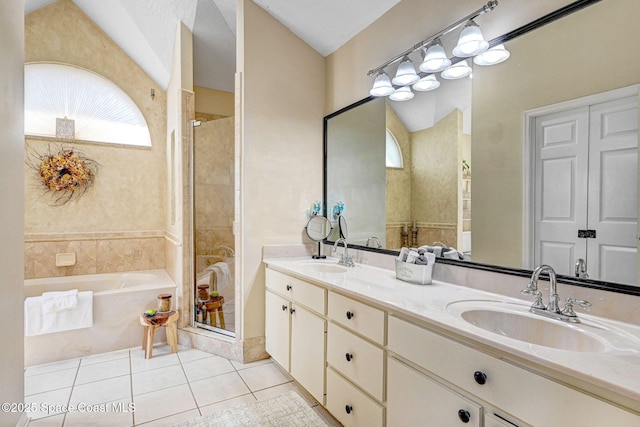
x=588 y=283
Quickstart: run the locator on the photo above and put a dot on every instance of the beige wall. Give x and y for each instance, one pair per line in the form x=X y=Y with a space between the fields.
x=548 y=73
x=214 y=102
x=11 y=214
x=280 y=135
x=126 y=206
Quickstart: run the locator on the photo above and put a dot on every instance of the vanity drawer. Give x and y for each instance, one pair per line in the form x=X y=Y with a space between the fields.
x=528 y=396
x=349 y=405
x=356 y=359
x=359 y=317
x=309 y=295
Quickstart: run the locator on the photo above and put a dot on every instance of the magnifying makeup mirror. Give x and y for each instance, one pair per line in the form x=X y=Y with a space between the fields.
x=318 y=228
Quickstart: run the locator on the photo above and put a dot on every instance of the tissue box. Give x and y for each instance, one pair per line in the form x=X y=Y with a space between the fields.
x=413 y=273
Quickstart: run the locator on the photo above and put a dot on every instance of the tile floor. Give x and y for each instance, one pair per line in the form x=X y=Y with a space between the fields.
x=167 y=389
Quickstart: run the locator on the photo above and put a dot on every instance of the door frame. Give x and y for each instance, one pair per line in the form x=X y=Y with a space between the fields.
x=529 y=158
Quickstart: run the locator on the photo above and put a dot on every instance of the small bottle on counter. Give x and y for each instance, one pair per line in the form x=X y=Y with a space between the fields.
x=164 y=302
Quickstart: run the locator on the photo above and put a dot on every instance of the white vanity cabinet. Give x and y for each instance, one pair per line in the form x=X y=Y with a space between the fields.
x=494 y=383
x=355 y=362
x=416 y=399
x=295 y=329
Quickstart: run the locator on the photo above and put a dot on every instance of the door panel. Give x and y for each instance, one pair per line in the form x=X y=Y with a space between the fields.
x=613 y=190
x=561 y=187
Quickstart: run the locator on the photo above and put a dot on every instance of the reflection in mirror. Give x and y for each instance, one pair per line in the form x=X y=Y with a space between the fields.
x=318 y=228
x=547 y=67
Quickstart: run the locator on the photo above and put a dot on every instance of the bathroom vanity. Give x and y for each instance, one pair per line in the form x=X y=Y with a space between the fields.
x=376 y=351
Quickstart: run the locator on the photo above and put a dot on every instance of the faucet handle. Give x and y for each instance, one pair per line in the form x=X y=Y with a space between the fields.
x=532 y=289
x=568 y=306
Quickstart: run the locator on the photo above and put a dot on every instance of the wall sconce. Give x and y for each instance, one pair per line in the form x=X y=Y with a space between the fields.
x=471 y=43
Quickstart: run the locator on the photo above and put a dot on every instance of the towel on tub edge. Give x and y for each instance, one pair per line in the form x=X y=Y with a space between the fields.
x=39 y=321
x=59 y=300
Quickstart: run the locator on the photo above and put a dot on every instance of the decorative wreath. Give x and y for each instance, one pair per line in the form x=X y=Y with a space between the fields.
x=66 y=173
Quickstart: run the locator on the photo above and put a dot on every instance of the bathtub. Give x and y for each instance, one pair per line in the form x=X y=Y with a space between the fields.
x=118 y=300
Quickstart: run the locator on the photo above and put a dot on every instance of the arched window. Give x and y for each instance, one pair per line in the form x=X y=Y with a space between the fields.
x=394 y=154
x=95 y=108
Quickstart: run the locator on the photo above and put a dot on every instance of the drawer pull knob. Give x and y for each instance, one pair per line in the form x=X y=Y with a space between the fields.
x=284 y=307
x=289 y=287
x=350 y=315
x=349 y=357
x=348 y=409
x=480 y=377
x=293 y=310
x=464 y=416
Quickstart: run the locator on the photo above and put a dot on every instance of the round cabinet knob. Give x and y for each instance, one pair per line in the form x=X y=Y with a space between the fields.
x=289 y=287
x=348 y=356
x=348 y=409
x=350 y=315
x=293 y=310
x=284 y=307
x=464 y=416
x=480 y=377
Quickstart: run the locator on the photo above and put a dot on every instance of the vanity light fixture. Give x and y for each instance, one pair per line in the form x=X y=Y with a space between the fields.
x=427 y=83
x=458 y=70
x=495 y=55
x=406 y=73
x=403 y=93
x=470 y=43
x=435 y=58
x=382 y=85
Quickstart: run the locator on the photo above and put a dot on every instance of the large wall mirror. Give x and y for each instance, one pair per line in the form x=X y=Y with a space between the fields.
x=474 y=176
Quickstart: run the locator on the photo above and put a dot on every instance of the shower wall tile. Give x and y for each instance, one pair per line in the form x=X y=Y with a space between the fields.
x=95 y=253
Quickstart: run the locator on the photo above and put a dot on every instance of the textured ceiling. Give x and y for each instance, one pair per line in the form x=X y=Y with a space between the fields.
x=145 y=29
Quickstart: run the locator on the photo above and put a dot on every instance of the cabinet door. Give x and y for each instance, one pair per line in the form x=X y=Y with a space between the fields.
x=277 y=328
x=307 y=350
x=413 y=399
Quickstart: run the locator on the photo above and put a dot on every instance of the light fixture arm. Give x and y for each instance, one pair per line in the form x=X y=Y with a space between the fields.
x=492 y=4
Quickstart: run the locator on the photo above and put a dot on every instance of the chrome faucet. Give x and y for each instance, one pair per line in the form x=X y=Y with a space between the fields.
x=552 y=309
x=581 y=269
x=345 y=259
x=374 y=238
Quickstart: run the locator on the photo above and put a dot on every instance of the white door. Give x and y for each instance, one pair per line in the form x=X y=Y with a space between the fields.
x=613 y=190
x=561 y=188
x=586 y=178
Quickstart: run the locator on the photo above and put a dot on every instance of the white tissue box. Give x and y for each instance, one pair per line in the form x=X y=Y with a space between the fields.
x=414 y=273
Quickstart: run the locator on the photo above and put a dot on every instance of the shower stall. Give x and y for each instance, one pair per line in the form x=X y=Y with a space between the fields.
x=213 y=175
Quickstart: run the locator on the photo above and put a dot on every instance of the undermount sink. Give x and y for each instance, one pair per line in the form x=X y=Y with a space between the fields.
x=324 y=267
x=515 y=321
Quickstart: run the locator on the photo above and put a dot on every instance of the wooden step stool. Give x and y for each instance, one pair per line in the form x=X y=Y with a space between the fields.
x=170 y=320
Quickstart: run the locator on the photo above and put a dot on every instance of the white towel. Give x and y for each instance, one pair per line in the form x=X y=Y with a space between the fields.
x=59 y=301
x=38 y=322
x=224 y=277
